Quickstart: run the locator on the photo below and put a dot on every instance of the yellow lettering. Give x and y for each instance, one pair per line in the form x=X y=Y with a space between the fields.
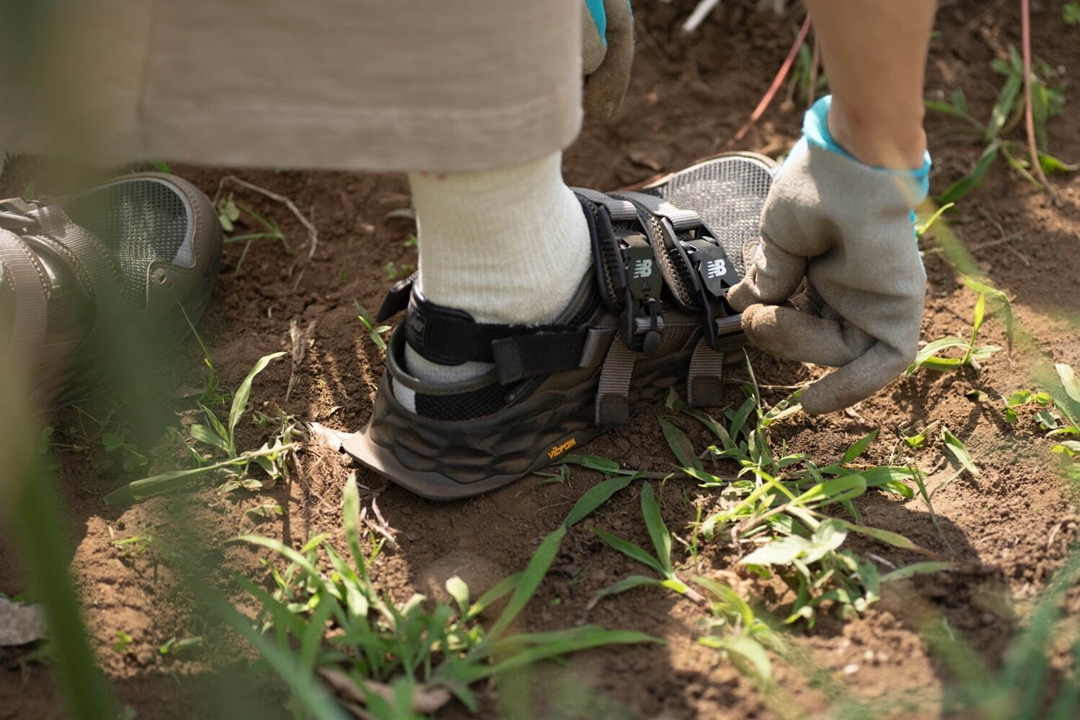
x=558 y=450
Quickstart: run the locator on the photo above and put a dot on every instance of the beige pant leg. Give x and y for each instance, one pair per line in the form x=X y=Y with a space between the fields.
x=448 y=85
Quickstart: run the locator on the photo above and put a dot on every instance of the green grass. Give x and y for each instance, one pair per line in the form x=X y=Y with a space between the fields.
x=1048 y=99
x=402 y=658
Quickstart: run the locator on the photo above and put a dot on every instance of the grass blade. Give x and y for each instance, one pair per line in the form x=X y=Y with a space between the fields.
x=859 y=447
x=960 y=453
x=630 y=550
x=529 y=581
x=561 y=643
x=627 y=583
x=921 y=568
x=680 y=445
x=658 y=532
x=243 y=393
x=1069 y=380
x=596 y=496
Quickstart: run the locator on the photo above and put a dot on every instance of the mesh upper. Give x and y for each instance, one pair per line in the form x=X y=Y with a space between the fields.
x=729 y=195
x=143 y=221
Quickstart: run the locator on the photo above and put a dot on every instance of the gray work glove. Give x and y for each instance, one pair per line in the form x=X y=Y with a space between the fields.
x=847 y=229
x=607 y=51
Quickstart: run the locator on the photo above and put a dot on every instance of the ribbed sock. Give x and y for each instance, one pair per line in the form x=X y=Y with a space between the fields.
x=507 y=246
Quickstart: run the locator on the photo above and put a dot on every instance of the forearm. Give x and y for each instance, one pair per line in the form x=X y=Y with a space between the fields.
x=874 y=53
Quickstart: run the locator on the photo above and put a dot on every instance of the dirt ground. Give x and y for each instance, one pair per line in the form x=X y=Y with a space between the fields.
x=1008 y=530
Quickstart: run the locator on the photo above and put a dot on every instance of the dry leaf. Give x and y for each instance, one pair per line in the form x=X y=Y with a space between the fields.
x=20 y=624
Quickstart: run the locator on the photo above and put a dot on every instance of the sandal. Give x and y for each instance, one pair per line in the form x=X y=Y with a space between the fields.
x=137 y=253
x=651 y=316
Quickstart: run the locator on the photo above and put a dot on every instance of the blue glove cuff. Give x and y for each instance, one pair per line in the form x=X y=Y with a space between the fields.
x=599 y=18
x=816 y=132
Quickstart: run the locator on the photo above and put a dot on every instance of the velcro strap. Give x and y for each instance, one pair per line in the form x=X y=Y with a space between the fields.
x=612 y=405
x=451 y=337
x=704 y=383
x=397 y=300
x=542 y=353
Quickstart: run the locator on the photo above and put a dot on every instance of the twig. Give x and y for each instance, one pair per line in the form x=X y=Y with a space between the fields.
x=1029 y=115
x=775 y=87
x=701 y=11
x=313 y=234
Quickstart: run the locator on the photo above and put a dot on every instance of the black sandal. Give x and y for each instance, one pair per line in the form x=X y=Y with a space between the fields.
x=650 y=317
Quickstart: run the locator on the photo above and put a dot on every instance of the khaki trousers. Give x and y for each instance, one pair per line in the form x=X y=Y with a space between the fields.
x=445 y=85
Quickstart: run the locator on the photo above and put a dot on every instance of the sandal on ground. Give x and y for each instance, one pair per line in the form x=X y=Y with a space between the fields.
x=81 y=275
x=651 y=315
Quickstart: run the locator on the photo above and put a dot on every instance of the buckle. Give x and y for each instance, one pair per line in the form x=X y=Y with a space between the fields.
x=642 y=322
x=15 y=214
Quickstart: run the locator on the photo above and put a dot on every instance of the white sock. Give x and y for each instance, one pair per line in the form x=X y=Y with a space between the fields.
x=507 y=246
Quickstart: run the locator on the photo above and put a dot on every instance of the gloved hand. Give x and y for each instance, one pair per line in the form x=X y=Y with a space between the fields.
x=846 y=228
x=607 y=51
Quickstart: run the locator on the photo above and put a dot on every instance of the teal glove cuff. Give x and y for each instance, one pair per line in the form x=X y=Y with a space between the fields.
x=599 y=18
x=816 y=132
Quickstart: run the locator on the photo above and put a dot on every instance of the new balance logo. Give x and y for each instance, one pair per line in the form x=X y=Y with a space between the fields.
x=642 y=269
x=715 y=268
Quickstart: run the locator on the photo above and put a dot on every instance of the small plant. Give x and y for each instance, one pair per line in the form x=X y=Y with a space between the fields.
x=396 y=272
x=660 y=563
x=221 y=439
x=1058 y=414
x=1047 y=98
x=777 y=503
x=403 y=658
x=1071 y=13
x=735 y=630
x=229 y=213
x=375 y=332
x=973 y=355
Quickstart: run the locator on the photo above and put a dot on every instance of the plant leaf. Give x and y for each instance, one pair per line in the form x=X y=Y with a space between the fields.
x=680 y=445
x=629 y=549
x=921 y=568
x=960 y=453
x=594 y=462
x=530 y=580
x=240 y=399
x=859 y=447
x=1069 y=380
x=596 y=496
x=658 y=532
x=932 y=349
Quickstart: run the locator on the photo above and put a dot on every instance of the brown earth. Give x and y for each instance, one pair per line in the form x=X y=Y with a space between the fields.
x=1008 y=530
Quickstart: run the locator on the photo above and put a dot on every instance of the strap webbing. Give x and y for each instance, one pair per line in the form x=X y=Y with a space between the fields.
x=29 y=285
x=93 y=262
x=543 y=353
x=612 y=405
x=704 y=383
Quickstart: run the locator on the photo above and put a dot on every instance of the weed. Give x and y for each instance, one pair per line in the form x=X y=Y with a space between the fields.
x=737 y=631
x=1047 y=98
x=973 y=355
x=660 y=563
x=394 y=271
x=229 y=213
x=122 y=643
x=778 y=500
x=1071 y=13
x=221 y=439
x=403 y=658
x=1059 y=410
x=375 y=332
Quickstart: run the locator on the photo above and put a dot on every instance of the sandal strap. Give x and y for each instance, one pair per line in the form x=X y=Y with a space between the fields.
x=25 y=279
x=647 y=252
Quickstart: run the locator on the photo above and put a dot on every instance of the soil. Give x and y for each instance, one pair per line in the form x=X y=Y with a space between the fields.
x=1007 y=530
